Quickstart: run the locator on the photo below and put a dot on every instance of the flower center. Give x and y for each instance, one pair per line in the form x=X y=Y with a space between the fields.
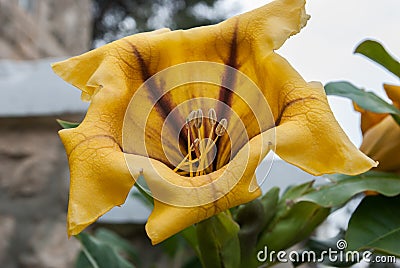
x=202 y=135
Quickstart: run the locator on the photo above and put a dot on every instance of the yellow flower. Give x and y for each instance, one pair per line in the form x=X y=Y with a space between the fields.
x=381 y=134
x=156 y=129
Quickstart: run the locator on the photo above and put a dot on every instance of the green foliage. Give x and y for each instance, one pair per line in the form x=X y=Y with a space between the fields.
x=143 y=194
x=270 y=202
x=320 y=247
x=344 y=187
x=251 y=218
x=377 y=53
x=121 y=245
x=366 y=100
x=376 y=225
x=293 y=226
x=293 y=221
x=218 y=241
x=116 y=19
x=190 y=236
x=66 y=124
x=102 y=253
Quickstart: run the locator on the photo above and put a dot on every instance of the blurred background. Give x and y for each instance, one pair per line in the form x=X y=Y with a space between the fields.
x=34 y=174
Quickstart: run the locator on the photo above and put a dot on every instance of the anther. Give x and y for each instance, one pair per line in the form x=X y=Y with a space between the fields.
x=195 y=144
x=198 y=120
x=221 y=128
x=212 y=117
x=189 y=119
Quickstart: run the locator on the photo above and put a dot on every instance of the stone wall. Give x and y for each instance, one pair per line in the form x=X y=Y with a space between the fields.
x=33 y=166
x=34 y=185
x=33 y=29
x=33 y=195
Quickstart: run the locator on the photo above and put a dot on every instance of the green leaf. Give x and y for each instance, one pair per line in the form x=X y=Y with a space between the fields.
x=344 y=187
x=82 y=261
x=66 y=124
x=100 y=254
x=219 y=242
x=192 y=263
x=290 y=195
x=396 y=118
x=321 y=247
x=117 y=242
x=293 y=226
x=172 y=245
x=144 y=193
x=375 y=224
x=251 y=218
x=293 y=221
x=377 y=53
x=190 y=236
x=366 y=100
x=270 y=202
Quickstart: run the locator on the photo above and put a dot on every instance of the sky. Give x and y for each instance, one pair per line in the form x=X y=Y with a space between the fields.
x=323 y=50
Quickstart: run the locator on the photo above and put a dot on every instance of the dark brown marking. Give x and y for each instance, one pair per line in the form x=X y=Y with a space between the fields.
x=229 y=76
x=163 y=105
x=228 y=82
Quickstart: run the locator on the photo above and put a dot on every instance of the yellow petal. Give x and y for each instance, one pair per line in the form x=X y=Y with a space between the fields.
x=99 y=180
x=96 y=67
x=368 y=118
x=307 y=134
x=110 y=76
x=393 y=92
x=189 y=198
x=382 y=143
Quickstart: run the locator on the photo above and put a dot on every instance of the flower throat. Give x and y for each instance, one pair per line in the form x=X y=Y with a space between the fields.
x=201 y=149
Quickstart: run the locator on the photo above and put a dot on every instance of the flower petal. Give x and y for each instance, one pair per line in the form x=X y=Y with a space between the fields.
x=111 y=75
x=382 y=143
x=307 y=134
x=94 y=68
x=99 y=180
x=368 y=118
x=393 y=92
x=232 y=185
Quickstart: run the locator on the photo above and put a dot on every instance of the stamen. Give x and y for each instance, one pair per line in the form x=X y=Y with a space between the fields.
x=198 y=120
x=194 y=122
x=191 y=116
x=221 y=128
x=189 y=150
x=196 y=147
x=195 y=144
x=212 y=117
x=182 y=163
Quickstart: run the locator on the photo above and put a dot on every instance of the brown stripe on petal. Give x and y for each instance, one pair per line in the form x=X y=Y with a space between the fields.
x=288 y=104
x=163 y=104
x=229 y=76
x=227 y=84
